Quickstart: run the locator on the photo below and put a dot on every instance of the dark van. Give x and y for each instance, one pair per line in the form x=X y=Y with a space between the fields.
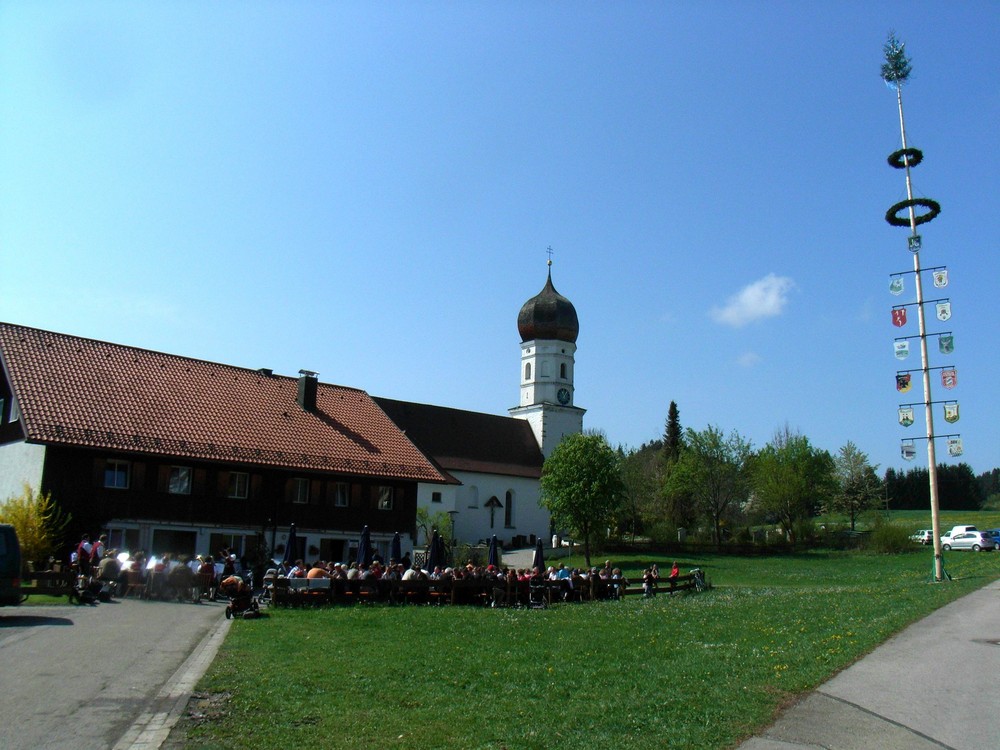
x=10 y=567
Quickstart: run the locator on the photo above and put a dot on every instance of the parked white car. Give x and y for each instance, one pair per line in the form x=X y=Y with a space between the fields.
x=974 y=540
x=923 y=536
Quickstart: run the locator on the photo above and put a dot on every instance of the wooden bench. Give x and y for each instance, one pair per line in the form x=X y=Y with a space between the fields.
x=52 y=583
x=693 y=581
x=483 y=592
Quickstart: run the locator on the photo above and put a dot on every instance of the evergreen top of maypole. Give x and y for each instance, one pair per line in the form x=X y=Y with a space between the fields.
x=896 y=69
x=895 y=72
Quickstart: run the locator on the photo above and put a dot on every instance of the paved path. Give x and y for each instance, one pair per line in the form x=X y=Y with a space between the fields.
x=935 y=685
x=111 y=676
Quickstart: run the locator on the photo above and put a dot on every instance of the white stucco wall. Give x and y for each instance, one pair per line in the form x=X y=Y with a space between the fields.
x=472 y=519
x=19 y=463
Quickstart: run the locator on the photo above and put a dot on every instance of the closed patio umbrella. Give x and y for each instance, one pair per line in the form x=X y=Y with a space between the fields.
x=492 y=556
x=539 y=559
x=291 y=546
x=435 y=552
x=365 y=552
x=396 y=548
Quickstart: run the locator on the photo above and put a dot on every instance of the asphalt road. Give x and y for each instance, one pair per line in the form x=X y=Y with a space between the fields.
x=82 y=678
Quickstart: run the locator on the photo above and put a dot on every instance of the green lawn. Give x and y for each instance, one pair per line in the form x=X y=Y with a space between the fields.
x=921 y=519
x=698 y=671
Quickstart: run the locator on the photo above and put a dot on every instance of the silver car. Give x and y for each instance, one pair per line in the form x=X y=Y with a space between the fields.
x=974 y=540
x=923 y=536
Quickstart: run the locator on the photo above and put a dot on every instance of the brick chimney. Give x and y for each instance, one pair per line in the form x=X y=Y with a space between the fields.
x=307 y=389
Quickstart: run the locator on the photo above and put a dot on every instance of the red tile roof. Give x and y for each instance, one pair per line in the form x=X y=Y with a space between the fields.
x=75 y=391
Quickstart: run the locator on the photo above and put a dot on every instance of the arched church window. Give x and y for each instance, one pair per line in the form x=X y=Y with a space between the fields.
x=473 y=496
x=527 y=370
x=545 y=370
x=508 y=510
x=562 y=370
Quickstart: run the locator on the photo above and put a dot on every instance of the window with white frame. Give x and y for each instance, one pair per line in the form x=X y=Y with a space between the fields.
x=341 y=494
x=116 y=474
x=300 y=490
x=180 y=480
x=239 y=484
x=384 y=497
x=473 y=496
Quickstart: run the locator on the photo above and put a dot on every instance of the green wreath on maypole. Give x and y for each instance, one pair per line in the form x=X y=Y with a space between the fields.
x=895 y=72
x=905 y=157
x=933 y=209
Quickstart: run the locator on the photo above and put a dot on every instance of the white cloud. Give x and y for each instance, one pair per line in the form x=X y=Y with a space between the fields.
x=764 y=298
x=748 y=359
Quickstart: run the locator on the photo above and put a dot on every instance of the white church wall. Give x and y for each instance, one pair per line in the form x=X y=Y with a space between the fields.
x=20 y=463
x=473 y=524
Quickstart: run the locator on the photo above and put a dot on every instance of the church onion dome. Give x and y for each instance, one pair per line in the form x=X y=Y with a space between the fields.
x=548 y=315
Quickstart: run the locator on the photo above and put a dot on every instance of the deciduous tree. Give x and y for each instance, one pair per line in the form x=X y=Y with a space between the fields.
x=858 y=487
x=582 y=486
x=713 y=471
x=792 y=480
x=38 y=521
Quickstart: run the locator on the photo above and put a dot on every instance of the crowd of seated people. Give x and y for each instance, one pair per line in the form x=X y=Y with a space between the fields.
x=492 y=585
x=165 y=577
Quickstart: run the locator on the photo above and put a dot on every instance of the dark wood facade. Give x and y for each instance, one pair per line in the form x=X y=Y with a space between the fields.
x=78 y=481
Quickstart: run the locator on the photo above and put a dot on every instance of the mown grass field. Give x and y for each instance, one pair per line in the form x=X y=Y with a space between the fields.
x=697 y=671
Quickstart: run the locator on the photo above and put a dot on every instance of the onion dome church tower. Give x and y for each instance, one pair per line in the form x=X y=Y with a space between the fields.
x=549 y=327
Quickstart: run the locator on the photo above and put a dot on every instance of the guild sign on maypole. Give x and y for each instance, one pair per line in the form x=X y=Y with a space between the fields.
x=911 y=213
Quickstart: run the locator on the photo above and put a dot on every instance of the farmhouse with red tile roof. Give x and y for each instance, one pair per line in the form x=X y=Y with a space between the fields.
x=171 y=454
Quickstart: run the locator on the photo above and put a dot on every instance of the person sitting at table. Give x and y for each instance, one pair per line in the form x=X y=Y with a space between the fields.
x=298 y=570
x=156 y=575
x=674 y=572
x=109 y=570
x=206 y=577
x=180 y=583
x=318 y=570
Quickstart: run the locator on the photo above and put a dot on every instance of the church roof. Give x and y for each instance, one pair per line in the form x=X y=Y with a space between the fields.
x=548 y=315
x=460 y=440
x=93 y=394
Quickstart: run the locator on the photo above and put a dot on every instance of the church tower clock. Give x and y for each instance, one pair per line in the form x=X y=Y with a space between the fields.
x=549 y=327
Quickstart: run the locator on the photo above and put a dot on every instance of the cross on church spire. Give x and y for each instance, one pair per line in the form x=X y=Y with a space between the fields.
x=549 y=251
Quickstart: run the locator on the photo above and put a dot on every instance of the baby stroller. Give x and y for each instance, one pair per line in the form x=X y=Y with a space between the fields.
x=242 y=602
x=267 y=595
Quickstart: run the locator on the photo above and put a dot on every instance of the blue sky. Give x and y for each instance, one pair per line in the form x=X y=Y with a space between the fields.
x=367 y=190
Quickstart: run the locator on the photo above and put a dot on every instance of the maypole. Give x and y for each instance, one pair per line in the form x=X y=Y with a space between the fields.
x=895 y=72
